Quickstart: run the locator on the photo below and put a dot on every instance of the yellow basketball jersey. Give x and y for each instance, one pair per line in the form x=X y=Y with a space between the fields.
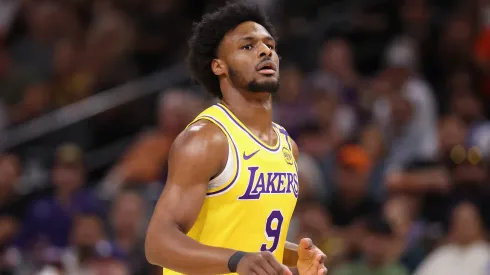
x=249 y=205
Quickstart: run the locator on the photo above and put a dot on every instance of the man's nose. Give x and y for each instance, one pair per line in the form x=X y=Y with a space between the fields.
x=265 y=51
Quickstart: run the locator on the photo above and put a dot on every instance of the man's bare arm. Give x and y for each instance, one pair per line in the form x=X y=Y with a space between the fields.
x=198 y=154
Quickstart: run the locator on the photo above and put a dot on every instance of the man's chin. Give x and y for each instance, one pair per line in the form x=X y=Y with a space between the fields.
x=265 y=86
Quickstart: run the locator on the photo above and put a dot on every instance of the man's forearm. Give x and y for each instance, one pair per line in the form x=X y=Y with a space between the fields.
x=180 y=253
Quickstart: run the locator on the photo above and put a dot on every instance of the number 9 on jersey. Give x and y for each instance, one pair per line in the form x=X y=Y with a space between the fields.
x=272 y=231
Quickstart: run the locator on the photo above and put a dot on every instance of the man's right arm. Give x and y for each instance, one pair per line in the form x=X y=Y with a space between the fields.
x=197 y=155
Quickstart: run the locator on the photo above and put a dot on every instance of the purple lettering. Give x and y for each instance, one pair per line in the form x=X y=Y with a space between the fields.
x=280 y=184
x=295 y=186
x=260 y=184
x=290 y=183
x=247 y=195
x=269 y=183
x=271 y=177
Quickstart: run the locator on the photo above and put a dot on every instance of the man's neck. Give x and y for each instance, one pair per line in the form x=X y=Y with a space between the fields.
x=254 y=110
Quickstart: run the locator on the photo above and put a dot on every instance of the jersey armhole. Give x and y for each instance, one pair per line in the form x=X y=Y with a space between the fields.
x=223 y=181
x=288 y=140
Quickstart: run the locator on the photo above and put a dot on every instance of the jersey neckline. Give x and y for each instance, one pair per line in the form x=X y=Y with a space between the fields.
x=273 y=148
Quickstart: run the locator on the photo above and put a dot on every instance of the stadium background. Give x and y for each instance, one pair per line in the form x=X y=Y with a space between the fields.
x=387 y=99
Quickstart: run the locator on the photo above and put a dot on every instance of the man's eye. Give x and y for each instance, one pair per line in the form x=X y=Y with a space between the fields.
x=247 y=47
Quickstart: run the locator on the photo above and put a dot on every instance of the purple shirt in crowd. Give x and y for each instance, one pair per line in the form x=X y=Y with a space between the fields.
x=50 y=223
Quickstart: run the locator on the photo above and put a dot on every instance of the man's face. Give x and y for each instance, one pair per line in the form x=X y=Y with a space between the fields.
x=247 y=56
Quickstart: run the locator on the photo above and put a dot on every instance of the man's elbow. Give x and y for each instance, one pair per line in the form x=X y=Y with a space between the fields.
x=151 y=251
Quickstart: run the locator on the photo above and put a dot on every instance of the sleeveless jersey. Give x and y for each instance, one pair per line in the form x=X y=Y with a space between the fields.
x=249 y=205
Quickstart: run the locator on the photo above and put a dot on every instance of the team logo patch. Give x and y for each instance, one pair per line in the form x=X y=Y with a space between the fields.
x=288 y=157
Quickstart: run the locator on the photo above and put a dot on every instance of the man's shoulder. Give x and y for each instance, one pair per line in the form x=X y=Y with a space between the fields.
x=202 y=129
x=200 y=136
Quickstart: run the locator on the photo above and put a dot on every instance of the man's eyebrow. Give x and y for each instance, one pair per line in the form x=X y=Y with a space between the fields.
x=251 y=38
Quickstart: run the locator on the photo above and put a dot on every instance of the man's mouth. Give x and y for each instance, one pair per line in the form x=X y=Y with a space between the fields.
x=266 y=67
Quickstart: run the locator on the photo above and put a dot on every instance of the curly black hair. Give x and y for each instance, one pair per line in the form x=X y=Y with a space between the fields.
x=208 y=34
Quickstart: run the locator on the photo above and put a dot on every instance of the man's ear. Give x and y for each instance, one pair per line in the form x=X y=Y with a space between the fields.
x=218 y=67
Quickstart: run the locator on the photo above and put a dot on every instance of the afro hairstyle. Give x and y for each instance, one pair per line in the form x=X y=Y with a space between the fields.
x=210 y=31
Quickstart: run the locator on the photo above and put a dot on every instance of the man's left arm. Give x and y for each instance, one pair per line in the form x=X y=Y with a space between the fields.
x=290 y=258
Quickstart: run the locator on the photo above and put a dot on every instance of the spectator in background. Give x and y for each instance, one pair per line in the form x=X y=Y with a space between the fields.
x=108 y=267
x=415 y=17
x=407 y=115
x=311 y=177
x=466 y=252
x=432 y=180
x=455 y=45
x=334 y=117
x=69 y=83
x=49 y=220
x=25 y=95
x=482 y=47
x=128 y=222
x=376 y=248
x=336 y=82
x=146 y=159
x=463 y=100
x=401 y=212
x=312 y=219
x=12 y=206
x=452 y=132
x=33 y=51
x=88 y=243
x=350 y=200
x=10 y=172
x=109 y=40
x=292 y=108
x=337 y=63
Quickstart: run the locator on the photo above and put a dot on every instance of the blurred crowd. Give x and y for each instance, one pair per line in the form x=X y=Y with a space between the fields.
x=387 y=99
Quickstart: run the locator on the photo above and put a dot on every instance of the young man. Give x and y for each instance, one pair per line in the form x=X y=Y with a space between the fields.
x=232 y=184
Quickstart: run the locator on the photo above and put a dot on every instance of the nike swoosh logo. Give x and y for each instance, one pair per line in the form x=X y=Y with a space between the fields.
x=247 y=157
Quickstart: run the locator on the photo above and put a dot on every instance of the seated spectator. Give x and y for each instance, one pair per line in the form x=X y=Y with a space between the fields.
x=407 y=115
x=291 y=108
x=313 y=221
x=401 y=213
x=49 y=219
x=145 y=160
x=350 y=200
x=466 y=252
x=12 y=207
x=108 y=267
x=376 y=249
x=128 y=222
x=89 y=243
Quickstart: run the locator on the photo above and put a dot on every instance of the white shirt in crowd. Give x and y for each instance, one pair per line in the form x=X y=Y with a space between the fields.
x=418 y=138
x=456 y=260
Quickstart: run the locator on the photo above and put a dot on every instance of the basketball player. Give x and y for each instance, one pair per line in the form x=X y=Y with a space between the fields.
x=232 y=176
